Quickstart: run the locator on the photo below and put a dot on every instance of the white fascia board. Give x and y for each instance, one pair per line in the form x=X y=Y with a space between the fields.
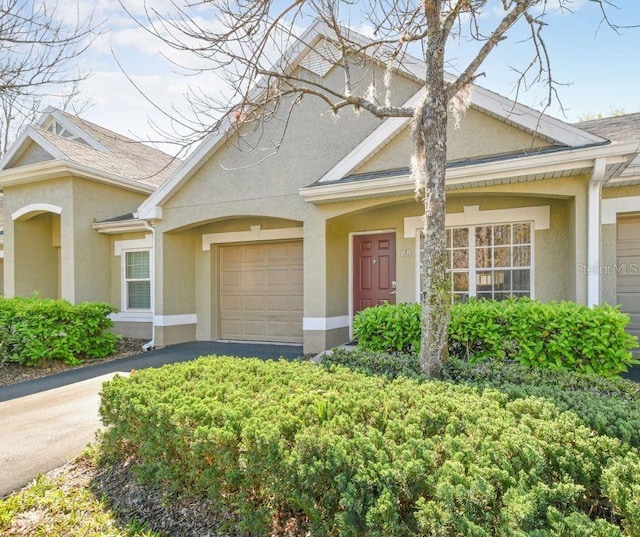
x=521 y=115
x=150 y=209
x=14 y=148
x=381 y=135
x=531 y=119
x=52 y=169
x=529 y=165
x=29 y=133
x=73 y=129
x=125 y=226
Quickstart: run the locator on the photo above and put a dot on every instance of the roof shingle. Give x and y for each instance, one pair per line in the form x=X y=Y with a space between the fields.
x=624 y=128
x=126 y=157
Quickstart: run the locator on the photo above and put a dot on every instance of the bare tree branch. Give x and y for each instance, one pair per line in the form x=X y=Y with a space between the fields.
x=38 y=58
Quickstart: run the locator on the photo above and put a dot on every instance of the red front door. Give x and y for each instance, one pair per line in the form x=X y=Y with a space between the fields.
x=374 y=270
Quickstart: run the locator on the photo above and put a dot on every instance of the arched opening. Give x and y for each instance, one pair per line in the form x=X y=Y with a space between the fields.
x=37 y=254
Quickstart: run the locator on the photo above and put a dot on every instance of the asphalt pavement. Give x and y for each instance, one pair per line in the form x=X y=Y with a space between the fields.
x=46 y=422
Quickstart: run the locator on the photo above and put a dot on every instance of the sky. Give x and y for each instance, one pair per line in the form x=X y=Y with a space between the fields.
x=599 y=69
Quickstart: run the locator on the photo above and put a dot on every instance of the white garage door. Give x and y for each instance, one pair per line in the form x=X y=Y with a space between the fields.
x=628 y=270
x=260 y=292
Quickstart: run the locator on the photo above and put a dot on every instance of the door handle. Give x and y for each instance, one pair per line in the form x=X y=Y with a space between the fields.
x=392 y=293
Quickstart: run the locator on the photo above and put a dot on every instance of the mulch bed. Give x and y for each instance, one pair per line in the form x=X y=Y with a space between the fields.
x=13 y=373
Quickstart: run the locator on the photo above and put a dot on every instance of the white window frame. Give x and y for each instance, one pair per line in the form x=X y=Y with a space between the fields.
x=472 y=255
x=125 y=287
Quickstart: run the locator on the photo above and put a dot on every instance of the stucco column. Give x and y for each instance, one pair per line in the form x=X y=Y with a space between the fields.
x=320 y=330
x=594 y=194
x=9 y=258
x=175 y=316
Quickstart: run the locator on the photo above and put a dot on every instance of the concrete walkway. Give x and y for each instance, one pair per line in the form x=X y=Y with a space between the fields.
x=45 y=422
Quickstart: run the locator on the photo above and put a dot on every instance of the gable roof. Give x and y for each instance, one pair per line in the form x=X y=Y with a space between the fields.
x=500 y=107
x=618 y=129
x=71 y=139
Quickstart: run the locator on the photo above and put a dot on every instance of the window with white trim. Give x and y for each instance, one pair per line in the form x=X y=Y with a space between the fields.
x=137 y=280
x=491 y=261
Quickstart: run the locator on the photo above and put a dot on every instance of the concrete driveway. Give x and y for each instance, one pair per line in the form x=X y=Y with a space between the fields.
x=41 y=431
x=45 y=422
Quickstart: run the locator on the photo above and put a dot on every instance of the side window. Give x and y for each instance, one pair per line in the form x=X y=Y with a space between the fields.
x=137 y=280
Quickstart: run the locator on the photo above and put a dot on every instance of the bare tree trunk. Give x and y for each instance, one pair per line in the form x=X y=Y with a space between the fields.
x=430 y=137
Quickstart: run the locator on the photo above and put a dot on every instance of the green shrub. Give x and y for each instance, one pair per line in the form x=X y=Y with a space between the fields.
x=389 y=328
x=374 y=362
x=33 y=329
x=557 y=335
x=350 y=455
x=609 y=406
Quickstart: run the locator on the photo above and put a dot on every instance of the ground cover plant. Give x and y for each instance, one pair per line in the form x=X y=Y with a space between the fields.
x=557 y=335
x=33 y=330
x=609 y=406
x=341 y=452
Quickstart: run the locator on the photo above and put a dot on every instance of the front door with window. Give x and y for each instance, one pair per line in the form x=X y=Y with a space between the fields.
x=374 y=270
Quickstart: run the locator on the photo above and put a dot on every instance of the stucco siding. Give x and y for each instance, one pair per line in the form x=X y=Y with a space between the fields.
x=133 y=330
x=552 y=252
x=84 y=270
x=478 y=134
x=33 y=154
x=175 y=290
x=263 y=182
x=93 y=251
x=37 y=257
x=621 y=192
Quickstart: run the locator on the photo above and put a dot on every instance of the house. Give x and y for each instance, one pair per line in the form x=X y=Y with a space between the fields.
x=230 y=245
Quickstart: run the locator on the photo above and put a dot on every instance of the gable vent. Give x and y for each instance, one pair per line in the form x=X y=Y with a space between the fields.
x=322 y=58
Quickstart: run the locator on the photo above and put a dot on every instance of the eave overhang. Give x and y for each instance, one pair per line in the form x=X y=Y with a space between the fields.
x=122 y=226
x=55 y=169
x=537 y=167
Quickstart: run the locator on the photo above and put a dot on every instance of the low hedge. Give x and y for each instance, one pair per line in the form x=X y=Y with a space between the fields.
x=34 y=329
x=609 y=406
x=557 y=335
x=347 y=454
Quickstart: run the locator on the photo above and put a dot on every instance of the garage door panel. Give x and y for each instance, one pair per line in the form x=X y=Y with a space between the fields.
x=282 y=329
x=254 y=278
x=232 y=328
x=278 y=252
x=253 y=253
x=260 y=292
x=278 y=278
x=254 y=304
x=231 y=279
x=231 y=303
x=628 y=270
x=284 y=304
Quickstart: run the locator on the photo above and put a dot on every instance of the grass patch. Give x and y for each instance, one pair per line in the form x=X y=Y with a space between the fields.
x=62 y=504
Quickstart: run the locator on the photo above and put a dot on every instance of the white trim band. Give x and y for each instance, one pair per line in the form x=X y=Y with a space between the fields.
x=473 y=216
x=132 y=244
x=35 y=209
x=612 y=206
x=132 y=317
x=175 y=320
x=325 y=323
x=255 y=234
